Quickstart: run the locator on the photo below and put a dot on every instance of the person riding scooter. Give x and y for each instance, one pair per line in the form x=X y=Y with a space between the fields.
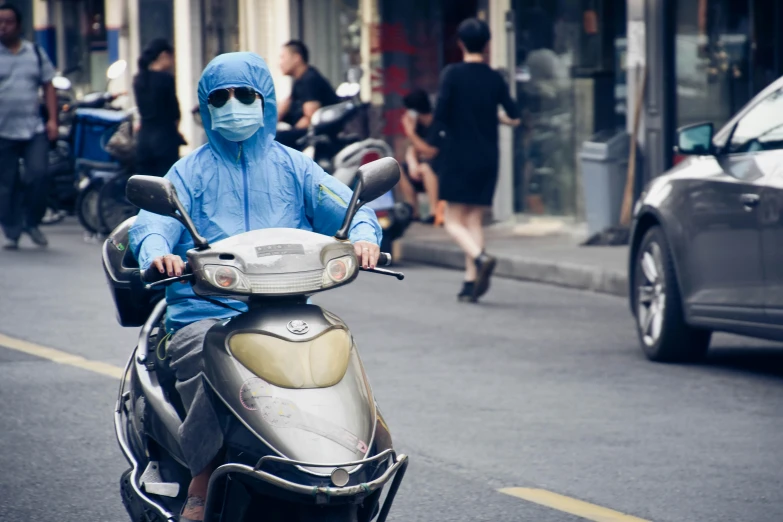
x=242 y=180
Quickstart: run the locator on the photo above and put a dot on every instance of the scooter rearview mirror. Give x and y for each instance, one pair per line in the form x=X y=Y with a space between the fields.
x=348 y=90
x=61 y=83
x=158 y=195
x=116 y=69
x=377 y=178
x=373 y=181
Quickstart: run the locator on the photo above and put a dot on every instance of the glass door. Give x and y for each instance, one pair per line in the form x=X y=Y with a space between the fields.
x=221 y=27
x=726 y=52
x=712 y=53
x=767 y=42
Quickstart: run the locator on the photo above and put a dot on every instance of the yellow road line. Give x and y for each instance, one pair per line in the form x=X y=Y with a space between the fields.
x=60 y=357
x=570 y=505
x=542 y=497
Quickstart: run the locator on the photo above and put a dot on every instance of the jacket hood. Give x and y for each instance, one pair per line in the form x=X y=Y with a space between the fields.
x=239 y=70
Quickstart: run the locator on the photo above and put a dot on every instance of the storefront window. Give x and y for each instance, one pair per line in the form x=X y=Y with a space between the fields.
x=711 y=54
x=726 y=51
x=570 y=84
x=350 y=34
x=158 y=16
x=331 y=29
x=547 y=38
x=221 y=27
x=85 y=46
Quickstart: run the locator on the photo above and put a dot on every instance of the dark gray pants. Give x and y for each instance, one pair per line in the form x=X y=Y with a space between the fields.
x=23 y=198
x=201 y=435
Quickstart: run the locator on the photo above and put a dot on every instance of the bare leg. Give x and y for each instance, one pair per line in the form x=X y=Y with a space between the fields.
x=430 y=180
x=409 y=194
x=456 y=226
x=197 y=495
x=474 y=220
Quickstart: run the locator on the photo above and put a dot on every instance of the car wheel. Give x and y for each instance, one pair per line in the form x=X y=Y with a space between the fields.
x=660 y=320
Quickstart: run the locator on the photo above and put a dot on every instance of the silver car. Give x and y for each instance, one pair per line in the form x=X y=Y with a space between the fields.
x=707 y=236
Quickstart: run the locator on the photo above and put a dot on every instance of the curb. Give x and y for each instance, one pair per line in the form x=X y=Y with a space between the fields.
x=567 y=275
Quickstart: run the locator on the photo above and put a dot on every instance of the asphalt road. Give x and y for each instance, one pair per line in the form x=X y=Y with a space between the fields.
x=538 y=387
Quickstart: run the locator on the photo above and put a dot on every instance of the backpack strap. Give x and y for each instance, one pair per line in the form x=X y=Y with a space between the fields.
x=40 y=63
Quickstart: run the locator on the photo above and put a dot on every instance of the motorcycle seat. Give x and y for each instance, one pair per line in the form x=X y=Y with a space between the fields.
x=85 y=164
x=348 y=139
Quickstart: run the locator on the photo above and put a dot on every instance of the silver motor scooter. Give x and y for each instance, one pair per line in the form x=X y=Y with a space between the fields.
x=304 y=439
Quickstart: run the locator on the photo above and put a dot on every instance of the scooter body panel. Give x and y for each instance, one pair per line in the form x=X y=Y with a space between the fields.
x=317 y=424
x=151 y=413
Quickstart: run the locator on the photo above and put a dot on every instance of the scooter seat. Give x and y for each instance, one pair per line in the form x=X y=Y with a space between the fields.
x=348 y=139
x=85 y=164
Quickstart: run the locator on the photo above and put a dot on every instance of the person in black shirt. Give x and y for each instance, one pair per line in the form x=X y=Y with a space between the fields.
x=466 y=120
x=310 y=92
x=421 y=166
x=159 y=140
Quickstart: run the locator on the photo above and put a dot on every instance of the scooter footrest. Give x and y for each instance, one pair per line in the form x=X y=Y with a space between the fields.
x=152 y=482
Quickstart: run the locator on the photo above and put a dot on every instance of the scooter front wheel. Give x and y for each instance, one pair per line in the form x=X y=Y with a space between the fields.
x=87 y=207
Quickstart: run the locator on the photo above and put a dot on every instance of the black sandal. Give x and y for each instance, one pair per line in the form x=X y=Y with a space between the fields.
x=466 y=295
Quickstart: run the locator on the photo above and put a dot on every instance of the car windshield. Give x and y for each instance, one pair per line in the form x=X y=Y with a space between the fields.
x=762 y=127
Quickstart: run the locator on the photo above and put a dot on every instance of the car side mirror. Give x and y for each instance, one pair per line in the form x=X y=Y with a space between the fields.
x=372 y=181
x=695 y=140
x=158 y=195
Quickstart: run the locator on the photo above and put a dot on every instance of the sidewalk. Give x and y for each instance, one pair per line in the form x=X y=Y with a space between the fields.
x=542 y=252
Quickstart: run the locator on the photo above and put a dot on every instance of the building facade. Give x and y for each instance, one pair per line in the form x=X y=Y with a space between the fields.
x=574 y=66
x=705 y=59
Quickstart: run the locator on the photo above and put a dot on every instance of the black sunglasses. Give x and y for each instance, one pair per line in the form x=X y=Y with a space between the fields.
x=245 y=95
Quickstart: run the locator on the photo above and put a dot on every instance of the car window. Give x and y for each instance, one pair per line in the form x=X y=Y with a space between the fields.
x=761 y=128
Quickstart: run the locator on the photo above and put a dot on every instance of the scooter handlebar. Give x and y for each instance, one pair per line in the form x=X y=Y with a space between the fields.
x=152 y=275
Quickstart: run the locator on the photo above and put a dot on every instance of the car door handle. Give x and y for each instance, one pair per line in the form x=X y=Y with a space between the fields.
x=750 y=200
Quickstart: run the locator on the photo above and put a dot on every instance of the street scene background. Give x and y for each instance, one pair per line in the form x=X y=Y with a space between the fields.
x=538 y=404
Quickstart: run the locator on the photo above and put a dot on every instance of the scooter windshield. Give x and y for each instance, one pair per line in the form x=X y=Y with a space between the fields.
x=316 y=363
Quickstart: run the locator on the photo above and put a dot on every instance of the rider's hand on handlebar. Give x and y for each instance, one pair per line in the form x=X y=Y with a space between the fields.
x=367 y=253
x=170 y=265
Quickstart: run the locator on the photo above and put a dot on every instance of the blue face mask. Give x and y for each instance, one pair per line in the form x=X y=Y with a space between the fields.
x=236 y=121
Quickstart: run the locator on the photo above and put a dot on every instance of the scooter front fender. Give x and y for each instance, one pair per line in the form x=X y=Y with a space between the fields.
x=328 y=424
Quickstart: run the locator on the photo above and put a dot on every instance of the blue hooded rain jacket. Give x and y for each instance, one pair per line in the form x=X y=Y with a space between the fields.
x=229 y=188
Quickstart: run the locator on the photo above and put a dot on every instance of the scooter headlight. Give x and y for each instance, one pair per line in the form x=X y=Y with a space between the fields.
x=231 y=280
x=227 y=278
x=339 y=270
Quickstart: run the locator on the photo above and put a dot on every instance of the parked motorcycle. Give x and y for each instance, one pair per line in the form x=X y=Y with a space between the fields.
x=343 y=154
x=304 y=439
x=94 y=165
x=74 y=157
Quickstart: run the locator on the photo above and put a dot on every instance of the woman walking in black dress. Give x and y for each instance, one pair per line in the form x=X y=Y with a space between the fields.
x=156 y=96
x=467 y=119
